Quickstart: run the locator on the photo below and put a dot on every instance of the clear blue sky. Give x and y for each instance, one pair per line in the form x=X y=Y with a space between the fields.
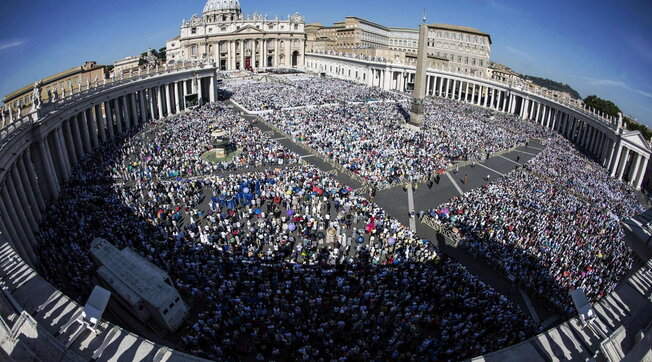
x=598 y=47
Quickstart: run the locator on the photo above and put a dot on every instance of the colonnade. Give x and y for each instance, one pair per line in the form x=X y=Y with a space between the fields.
x=624 y=154
x=47 y=153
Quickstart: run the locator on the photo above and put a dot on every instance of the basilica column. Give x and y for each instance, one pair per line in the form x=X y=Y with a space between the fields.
x=242 y=54
x=276 y=57
x=232 y=55
x=302 y=53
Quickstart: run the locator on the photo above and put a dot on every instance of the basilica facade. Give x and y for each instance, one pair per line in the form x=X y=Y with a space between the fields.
x=234 y=41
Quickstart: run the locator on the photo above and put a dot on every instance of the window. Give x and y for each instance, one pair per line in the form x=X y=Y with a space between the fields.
x=193 y=31
x=165 y=311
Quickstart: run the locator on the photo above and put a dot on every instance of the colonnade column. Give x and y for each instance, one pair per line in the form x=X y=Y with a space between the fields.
x=622 y=162
x=143 y=107
x=641 y=173
x=79 y=144
x=13 y=226
x=90 y=118
x=211 y=89
x=177 y=104
x=20 y=219
x=13 y=238
x=86 y=136
x=27 y=172
x=166 y=89
x=117 y=113
x=110 y=112
x=70 y=144
x=152 y=105
x=134 y=109
x=159 y=102
x=61 y=156
x=46 y=162
x=16 y=186
x=100 y=122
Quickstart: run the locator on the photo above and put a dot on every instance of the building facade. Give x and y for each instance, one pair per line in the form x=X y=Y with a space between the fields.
x=234 y=41
x=126 y=65
x=463 y=49
x=467 y=49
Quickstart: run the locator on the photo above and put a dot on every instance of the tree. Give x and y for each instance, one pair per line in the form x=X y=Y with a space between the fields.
x=635 y=126
x=551 y=84
x=602 y=105
x=162 y=54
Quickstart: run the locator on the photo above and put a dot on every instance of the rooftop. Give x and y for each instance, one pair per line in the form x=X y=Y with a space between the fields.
x=463 y=29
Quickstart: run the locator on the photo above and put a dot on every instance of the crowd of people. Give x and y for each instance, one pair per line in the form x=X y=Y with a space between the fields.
x=174 y=147
x=278 y=264
x=371 y=139
x=274 y=93
x=287 y=263
x=552 y=226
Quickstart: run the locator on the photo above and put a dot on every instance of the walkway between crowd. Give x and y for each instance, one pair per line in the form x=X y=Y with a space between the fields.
x=395 y=202
x=451 y=184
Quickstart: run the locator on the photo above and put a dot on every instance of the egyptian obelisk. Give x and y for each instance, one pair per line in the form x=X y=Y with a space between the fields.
x=416 y=113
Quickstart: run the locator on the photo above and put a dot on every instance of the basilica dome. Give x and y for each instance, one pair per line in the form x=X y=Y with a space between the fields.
x=222 y=5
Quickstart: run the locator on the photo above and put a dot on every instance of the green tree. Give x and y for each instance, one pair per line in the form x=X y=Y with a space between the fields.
x=602 y=105
x=633 y=125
